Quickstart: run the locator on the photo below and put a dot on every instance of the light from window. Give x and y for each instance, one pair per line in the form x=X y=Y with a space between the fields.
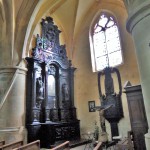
x=106 y=42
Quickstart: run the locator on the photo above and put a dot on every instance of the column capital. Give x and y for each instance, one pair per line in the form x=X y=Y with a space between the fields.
x=139 y=13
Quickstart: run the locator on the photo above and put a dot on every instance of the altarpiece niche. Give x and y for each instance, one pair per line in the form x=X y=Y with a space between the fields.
x=50 y=111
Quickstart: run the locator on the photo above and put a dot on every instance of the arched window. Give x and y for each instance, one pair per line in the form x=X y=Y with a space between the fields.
x=105 y=41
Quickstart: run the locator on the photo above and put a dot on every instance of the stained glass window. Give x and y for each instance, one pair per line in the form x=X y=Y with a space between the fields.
x=106 y=43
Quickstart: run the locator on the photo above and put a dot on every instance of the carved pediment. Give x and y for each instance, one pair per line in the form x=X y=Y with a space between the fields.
x=48 y=48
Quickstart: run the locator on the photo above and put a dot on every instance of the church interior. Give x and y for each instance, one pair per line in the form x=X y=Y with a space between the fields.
x=51 y=87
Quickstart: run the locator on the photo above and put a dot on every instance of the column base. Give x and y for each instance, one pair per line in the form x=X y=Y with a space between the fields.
x=13 y=134
x=147 y=140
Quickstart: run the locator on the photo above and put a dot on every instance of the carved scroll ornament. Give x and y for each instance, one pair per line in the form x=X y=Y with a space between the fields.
x=48 y=48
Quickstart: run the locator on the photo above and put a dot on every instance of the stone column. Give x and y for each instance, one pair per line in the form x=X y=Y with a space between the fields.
x=47 y=109
x=73 y=108
x=12 y=103
x=34 y=87
x=138 y=25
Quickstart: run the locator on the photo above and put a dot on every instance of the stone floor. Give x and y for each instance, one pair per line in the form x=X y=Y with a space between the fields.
x=88 y=146
x=73 y=144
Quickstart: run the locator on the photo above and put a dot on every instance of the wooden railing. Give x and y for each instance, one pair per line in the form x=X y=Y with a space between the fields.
x=63 y=146
x=11 y=145
x=30 y=146
x=2 y=143
x=98 y=146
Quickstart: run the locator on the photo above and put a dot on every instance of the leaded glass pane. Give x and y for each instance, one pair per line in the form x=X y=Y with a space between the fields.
x=110 y=23
x=115 y=58
x=102 y=22
x=101 y=62
x=99 y=44
x=111 y=33
x=113 y=45
x=98 y=29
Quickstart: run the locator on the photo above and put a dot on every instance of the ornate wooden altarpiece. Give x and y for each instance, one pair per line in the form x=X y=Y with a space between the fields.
x=50 y=111
x=115 y=113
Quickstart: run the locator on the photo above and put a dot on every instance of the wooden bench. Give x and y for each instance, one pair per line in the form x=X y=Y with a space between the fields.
x=126 y=143
x=2 y=143
x=63 y=146
x=11 y=145
x=98 y=146
x=30 y=146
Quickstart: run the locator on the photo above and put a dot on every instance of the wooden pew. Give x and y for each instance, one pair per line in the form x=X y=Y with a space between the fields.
x=63 y=146
x=98 y=146
x=30 y=146
x=11 y=145
x=2 y=143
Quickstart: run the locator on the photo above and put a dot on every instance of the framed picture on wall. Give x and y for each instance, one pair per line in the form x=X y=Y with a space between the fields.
x=91 y=106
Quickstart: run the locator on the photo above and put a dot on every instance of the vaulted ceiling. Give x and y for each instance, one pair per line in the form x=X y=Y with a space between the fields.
x=69 y=14
x=19 y=19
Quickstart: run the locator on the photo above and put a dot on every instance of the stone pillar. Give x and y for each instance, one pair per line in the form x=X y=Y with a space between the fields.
x=34 y=88
x=138 y=25
x=12 y=103
x=73 y=108
x=35 y=111
x=47 y=109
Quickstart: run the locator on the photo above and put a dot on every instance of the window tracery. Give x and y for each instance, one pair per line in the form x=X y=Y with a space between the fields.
x=107 y=49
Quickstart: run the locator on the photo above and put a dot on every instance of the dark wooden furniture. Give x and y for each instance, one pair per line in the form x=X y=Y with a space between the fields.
x=11 y=145
x=50 y=111
x=30 y=146
x=111 y=98
x=63 y=146
x=137 y=115
x=2 y=143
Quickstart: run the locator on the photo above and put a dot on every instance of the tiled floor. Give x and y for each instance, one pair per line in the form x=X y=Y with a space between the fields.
x=86 y=147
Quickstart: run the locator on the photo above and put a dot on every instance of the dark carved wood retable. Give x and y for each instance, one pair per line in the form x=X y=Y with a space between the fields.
x=50 y=111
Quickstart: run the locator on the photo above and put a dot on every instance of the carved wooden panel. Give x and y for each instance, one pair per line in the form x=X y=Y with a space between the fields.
x=67 y=131
x=137 y=115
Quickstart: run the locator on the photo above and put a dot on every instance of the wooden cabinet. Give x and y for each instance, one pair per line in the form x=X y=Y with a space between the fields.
x=67 y=131
x=137 y=115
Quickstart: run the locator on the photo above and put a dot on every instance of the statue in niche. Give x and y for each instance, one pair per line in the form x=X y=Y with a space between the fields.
x=40 y=91
x=40 y=88
x=65 y=92
x=37 y=52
